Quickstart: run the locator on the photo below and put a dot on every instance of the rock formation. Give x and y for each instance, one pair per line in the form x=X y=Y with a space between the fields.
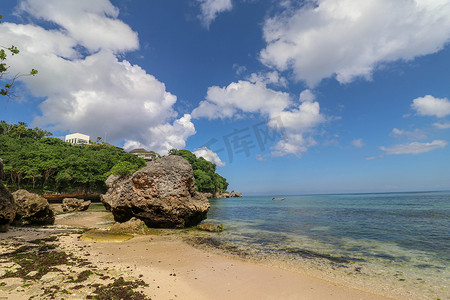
x=75 y=204
x=161 y=194
x=210 y=227
x=133 y=226
x=208 y=195
x=7 y=205
x=32 y=209
x=234 y=194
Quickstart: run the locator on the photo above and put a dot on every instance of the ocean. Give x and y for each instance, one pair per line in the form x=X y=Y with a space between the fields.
x=402 y=239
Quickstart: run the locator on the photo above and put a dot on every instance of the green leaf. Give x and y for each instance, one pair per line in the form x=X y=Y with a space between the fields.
x=13 y=50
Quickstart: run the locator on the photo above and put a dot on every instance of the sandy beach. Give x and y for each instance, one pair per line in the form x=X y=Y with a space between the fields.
x=170 y=267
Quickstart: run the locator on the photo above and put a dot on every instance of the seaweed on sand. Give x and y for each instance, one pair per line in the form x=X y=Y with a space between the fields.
x=119 y=289
x=37 y=260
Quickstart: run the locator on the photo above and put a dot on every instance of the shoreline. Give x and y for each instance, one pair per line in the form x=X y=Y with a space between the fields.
x=183 y=271
x=175 y=269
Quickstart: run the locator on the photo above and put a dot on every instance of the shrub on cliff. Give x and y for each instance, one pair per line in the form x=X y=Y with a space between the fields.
x=206 y=178
x=123 y=168
x=34 y=161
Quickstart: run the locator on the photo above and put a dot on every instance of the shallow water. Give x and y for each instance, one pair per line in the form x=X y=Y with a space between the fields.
x=402 y=236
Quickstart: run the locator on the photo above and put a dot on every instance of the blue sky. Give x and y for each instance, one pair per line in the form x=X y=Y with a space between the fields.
x=286 y=97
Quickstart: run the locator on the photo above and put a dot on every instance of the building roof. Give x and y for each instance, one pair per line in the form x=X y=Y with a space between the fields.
x=75 y=135
x=139 y=150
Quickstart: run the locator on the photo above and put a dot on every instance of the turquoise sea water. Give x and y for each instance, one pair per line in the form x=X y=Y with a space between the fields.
x=407 y=235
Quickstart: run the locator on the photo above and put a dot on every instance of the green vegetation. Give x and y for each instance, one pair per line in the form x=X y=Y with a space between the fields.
x=7 y=88
x=123 y=168
x=35 y=161
x=206 y=178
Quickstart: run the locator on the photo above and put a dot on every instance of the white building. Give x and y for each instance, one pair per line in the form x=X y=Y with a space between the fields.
x=141 y=152
x=77 y=139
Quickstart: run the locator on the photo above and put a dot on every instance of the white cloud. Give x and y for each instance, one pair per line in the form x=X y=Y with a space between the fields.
x=358 y=143
x=296 y=118
x=372 y=157
x=442 y=125
x=161 y=138
x=295 y=144
x=302 y=117
x=351 y=38
x=268 y=78
x=94 y=93
x=307 y=96
x=210 y=9
x=416 y=134
x=414 y=148
x=239 y=69
x=431 y=106
x=92 y=24
x=261 y=157
x=241 y=96
x=209 y=155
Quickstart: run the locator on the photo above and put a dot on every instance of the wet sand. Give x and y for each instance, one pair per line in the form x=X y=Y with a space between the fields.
x=181 y=271
x=174 y=269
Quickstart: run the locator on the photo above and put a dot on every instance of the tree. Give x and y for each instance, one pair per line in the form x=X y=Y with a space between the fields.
x=7 y=88
x=42 y=163
x=123 y=168
x=206 y=178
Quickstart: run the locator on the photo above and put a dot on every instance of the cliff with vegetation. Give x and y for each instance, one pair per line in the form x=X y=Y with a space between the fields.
x=35 y=161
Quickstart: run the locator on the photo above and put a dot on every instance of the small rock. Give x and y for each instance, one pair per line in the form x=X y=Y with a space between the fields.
x=75 y=204
x=210 y=227
x=133 y=226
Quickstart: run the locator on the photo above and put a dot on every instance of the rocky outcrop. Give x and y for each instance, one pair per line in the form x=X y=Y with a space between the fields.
x=219 y=195
x=7 y=205
x=210 y=227
x=161 y=194
x=32 y=209
x=234 y=194
x=208 y=195
x=75 y=204
x=133 y=226
x=114 y=185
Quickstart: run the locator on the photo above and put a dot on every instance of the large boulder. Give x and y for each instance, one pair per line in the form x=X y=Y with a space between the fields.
x=75 y=204
x=7 y=205
x=32 y=209
x=161 y=194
